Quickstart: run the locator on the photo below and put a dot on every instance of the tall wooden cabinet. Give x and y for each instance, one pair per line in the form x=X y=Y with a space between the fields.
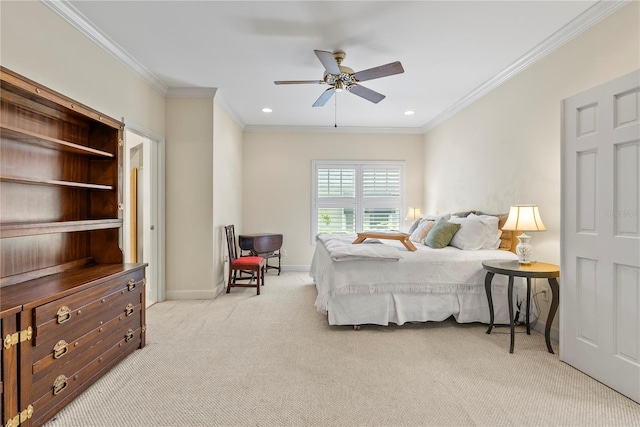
x=70 y=309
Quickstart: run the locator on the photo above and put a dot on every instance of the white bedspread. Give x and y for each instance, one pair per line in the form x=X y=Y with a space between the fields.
x=427 y=271
x=341 y=248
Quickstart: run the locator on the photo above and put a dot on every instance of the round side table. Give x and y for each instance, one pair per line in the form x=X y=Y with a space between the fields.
x=537 y=270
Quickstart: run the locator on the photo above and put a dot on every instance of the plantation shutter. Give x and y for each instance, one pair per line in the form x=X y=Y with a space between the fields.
x=336 y=182
x=336 y=199
x=356 y=196
x=381 y=203
x=381 y=182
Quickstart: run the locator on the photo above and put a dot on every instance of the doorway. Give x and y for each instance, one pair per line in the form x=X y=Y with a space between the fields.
x=143 y=209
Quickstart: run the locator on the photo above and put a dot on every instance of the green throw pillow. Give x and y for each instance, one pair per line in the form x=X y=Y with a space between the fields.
x=441 y=234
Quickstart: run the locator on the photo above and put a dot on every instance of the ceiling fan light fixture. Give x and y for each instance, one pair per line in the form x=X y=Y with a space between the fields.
x=339 y=77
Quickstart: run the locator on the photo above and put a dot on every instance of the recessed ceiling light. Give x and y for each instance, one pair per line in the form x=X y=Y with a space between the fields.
x=267 y=110
x=409 y=113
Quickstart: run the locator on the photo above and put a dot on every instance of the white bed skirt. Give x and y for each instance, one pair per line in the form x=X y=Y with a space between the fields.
x=426 y=285
x=382 y=309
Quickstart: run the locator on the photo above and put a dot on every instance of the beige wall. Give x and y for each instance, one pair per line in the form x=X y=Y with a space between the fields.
x=227 y=185
x=189 y=199
x=277 y=179
x=40 y=45
x=505 y=148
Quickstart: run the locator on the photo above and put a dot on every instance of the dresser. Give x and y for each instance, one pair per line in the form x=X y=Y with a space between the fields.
x=70 y=308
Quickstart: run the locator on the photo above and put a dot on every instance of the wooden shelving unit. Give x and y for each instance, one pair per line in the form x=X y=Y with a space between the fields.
x=26 y=180
x=27 y=229
x=62 y=276
x=28 y=137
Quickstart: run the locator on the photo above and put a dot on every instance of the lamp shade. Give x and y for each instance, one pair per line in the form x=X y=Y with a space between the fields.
x=413 y=214
x=524 y=218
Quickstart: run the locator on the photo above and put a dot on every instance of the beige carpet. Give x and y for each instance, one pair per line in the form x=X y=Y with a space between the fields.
x=272 y=360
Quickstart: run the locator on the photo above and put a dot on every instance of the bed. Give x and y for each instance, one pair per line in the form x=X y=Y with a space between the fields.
x=382 y=282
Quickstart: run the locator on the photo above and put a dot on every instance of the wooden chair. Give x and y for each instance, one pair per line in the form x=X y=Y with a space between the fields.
x=239 y=264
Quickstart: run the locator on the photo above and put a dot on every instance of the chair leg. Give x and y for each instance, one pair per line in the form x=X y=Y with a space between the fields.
x=229 y=282
x=259 y=277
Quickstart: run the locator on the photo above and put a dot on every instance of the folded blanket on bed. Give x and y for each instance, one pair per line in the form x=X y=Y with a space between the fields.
x=341 y=248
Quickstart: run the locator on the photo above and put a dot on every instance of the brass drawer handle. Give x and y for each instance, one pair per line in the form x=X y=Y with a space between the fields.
x=63 y=314
x=59 y=384
x=60 y=349
x=128 y=310
x=131 y=284
x=128 y=336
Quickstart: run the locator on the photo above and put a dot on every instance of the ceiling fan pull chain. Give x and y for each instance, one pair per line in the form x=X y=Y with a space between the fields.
x=335 y=112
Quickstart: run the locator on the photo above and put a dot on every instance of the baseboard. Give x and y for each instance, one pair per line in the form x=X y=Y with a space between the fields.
x=540 y=326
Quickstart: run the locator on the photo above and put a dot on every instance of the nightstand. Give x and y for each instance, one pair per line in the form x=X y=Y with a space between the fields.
x=537 y=270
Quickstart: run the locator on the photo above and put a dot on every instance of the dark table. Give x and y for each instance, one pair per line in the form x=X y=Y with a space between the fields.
x=537 y=270
x=266 y=245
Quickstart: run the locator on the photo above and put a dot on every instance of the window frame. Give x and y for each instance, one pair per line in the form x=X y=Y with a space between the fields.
x=359 y=203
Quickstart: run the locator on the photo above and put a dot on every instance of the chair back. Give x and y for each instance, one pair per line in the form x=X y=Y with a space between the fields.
x=231 y=242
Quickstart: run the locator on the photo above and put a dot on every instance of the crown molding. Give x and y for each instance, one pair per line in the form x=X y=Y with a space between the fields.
x=587 y=19
x=332 y=129
x=80 y=22
x=584 y=21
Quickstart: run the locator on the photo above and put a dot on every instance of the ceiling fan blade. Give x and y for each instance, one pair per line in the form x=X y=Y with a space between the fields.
x=298 y=82
x=368 y=94
x=381 y=71
x=326 y=95
x=328 y=61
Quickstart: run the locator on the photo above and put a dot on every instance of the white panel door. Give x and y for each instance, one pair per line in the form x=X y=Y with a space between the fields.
x=600 y=266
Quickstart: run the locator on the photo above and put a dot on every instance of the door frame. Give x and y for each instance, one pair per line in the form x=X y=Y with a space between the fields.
x=159 y=142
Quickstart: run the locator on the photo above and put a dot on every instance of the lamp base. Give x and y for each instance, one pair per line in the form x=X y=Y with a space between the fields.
x=524 y=249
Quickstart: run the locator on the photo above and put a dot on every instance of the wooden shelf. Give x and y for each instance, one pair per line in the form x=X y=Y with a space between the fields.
x=60 y=239
x=38 y=181
x=33 y=138
x=33 y=229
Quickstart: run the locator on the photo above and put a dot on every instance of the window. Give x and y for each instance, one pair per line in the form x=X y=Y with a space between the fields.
x=356 y=196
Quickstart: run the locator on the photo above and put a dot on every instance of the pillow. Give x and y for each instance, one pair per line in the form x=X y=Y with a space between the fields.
x=507 y=237
x=441 y=234
x=492 y=233
x=436 y=217
x=463 y=214
x=421 y=231
x=471 y=235
x=414 y=225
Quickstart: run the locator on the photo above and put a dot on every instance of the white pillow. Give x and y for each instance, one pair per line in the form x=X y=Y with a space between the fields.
x=471 y=234
x=492 y=235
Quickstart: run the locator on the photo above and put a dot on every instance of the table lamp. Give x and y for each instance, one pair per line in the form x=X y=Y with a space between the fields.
x=524 y=218
x=413 y=214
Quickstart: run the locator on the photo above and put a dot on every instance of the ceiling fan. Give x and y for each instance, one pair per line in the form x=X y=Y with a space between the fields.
x=341 y=78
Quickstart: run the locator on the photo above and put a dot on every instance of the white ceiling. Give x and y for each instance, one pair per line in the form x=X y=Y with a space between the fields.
x=452 y=51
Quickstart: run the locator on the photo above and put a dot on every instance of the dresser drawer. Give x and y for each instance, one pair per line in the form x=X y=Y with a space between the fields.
x=70 y=356
x=67 y=386
x=84 y=320
x=61 y=311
